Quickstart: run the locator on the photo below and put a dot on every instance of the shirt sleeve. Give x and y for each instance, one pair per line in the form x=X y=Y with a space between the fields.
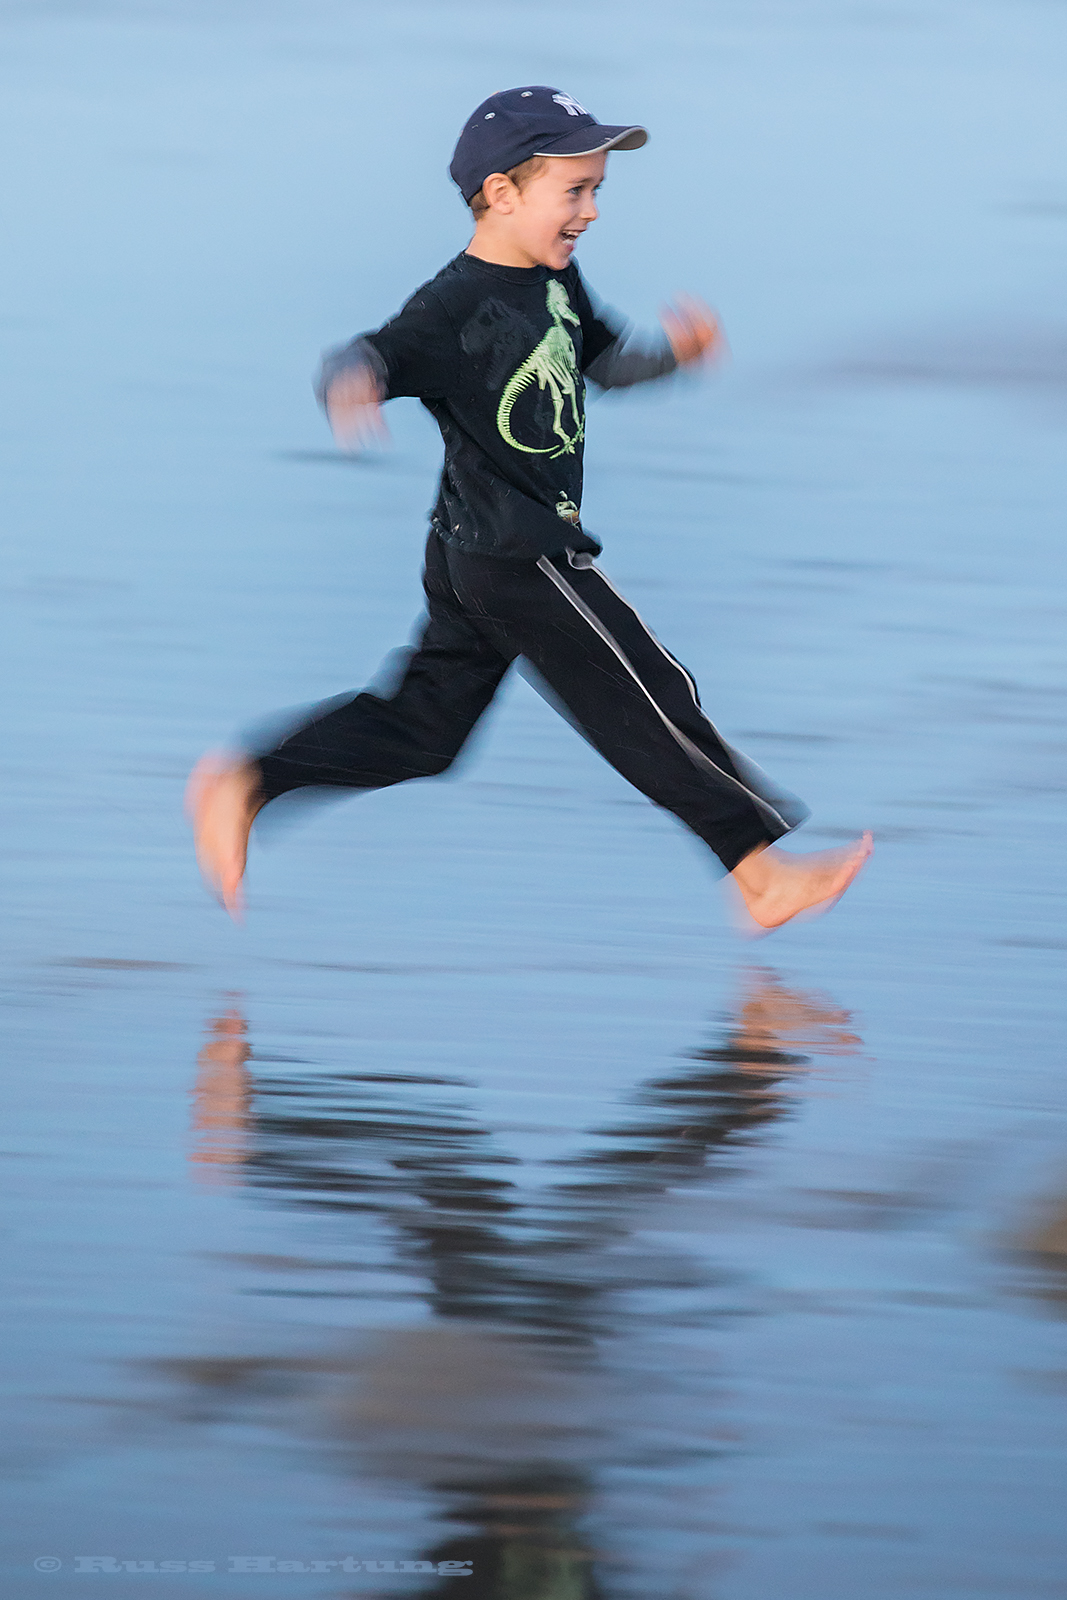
x=414 y=353
x=601 y=327
x=613 y=357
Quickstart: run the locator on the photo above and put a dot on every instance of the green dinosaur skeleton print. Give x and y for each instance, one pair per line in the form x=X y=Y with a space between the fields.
x=551 y=365
x=500 y=357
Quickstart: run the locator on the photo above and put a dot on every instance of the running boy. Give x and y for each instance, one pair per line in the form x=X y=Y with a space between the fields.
x=498 y=347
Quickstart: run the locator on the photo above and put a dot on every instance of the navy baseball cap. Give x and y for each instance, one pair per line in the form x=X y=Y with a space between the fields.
x=516 y=124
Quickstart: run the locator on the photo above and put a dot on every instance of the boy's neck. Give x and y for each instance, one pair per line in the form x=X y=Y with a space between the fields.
x=489 y=244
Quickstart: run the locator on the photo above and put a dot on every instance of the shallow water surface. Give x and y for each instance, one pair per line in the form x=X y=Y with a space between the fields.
x=484 y=1217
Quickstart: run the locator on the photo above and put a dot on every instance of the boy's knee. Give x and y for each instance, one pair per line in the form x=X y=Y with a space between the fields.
x=432 y=763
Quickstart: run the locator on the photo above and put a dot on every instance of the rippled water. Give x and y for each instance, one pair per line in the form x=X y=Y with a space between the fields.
x=485 y=1199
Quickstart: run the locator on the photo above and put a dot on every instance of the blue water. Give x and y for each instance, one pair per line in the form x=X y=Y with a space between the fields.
x=485 y=1197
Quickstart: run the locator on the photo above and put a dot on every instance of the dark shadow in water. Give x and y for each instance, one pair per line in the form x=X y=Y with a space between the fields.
x=1037 y=1253
x=1026 y=357
x=331 y=458
x=512 y=1402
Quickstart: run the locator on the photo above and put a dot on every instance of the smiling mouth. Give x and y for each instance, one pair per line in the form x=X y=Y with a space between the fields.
x=571 y=238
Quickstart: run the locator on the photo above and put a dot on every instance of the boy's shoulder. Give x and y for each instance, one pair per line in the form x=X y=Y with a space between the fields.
x=443 y=293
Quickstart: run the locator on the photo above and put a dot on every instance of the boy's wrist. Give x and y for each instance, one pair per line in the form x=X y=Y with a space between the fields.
x=356 y=359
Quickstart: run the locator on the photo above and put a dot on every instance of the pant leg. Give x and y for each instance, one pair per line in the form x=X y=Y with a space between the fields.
x=369 y=742
x=632 y=700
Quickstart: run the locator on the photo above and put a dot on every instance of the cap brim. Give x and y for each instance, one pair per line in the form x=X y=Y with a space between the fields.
x=591 y=141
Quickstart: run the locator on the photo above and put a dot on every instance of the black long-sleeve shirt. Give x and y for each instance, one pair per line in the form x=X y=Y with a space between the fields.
x=499 y=356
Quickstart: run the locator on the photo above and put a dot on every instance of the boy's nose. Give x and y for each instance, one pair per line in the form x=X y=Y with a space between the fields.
x=589 y=210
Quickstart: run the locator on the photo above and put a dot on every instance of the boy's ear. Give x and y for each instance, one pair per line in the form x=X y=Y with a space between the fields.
x=499 y=192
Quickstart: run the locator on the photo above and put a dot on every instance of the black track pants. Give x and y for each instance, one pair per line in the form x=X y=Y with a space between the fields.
x=631 y=699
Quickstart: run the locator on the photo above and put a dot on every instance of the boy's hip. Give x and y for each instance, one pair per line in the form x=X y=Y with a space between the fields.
x=502 y=523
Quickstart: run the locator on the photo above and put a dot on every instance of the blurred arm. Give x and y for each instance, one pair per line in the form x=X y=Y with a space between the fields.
x=632 y=358
x=616 y=358
x=411 y=354
x=353 y=382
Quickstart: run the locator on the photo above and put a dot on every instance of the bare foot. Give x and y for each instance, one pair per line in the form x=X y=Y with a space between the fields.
x=221 y=801
x=776 y=887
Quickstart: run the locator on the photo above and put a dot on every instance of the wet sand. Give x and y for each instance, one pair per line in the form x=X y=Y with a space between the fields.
x=484 y=1198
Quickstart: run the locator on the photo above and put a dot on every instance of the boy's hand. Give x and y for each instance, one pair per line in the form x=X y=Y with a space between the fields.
x=352 y=406
x=694 y=331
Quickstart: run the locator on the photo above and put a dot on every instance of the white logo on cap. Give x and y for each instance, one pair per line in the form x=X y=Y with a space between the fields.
x=570 y=105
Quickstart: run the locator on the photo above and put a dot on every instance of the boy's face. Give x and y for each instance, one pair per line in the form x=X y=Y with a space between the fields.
x=551 y=211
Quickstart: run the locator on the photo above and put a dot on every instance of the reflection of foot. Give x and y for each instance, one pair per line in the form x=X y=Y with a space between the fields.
x=772 y=1016
x=221 y=802
x=221 y=1094
x=776 y=887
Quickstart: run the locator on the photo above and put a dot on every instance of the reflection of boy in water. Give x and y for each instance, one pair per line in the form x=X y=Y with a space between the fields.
x=476 y=1404
x=498 y=347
